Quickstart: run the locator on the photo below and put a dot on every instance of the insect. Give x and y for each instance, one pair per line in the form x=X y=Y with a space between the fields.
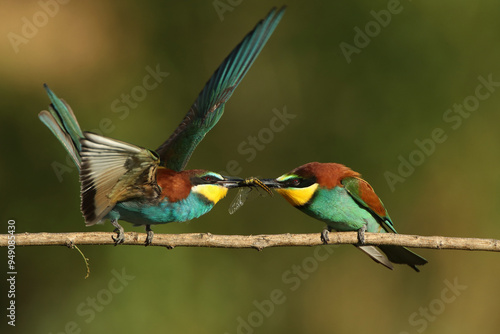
x=247 y=186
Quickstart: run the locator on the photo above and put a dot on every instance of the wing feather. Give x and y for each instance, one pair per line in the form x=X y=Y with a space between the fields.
x=209 y=106
x=364 y=195
x=113 y=171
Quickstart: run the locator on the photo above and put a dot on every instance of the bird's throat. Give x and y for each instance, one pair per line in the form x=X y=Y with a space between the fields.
x=212 y=192
x=298 y=196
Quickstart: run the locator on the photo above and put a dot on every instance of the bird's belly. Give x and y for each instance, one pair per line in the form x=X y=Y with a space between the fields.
x=337 y=208
x=144 y=213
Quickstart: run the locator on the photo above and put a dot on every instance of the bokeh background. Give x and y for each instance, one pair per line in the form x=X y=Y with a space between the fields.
x=366 y=113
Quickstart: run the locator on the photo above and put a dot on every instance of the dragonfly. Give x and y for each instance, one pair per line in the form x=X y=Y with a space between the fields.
x=247 y=186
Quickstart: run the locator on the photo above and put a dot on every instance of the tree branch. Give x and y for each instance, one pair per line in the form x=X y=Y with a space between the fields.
x=251 y=241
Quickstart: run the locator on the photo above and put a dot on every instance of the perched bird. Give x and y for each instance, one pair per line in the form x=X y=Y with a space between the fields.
x=131 y=183
x=338 y=196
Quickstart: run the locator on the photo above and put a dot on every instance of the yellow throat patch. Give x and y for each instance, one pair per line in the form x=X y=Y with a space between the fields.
x=212 y=192
x=298 y=196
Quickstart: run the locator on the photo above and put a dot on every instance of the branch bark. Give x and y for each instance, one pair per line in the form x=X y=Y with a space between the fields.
x=258 y=242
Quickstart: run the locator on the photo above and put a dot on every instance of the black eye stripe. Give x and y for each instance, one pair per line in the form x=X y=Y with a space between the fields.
x=205 y=179
x=298 y=182
x=210 y=178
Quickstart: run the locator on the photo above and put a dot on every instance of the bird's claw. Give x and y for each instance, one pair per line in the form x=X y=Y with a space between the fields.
x=120 y=236
x=324 y=235
x=150 y=234
x=361 y=234
x=120 y=233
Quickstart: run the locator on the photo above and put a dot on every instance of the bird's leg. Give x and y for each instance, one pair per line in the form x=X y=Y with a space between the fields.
x=149 y=238
x=120 y=233
x=361 y=234
x=324 y=234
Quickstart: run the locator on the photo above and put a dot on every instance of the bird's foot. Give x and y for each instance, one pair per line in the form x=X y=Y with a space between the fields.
x=324 y=235
x=120 y=233
x=361 y=234
x=150 y=234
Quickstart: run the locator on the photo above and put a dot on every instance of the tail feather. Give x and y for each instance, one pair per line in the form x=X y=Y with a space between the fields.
x=61 y=120
x=376 y=256
x=55 y=126
x=67 y=117
x=402 y=255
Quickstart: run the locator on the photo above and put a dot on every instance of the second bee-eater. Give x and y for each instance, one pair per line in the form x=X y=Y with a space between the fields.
x=120 y=181
x=338 y=196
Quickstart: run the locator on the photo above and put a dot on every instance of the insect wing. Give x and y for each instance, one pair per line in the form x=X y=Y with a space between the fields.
x=239 y=200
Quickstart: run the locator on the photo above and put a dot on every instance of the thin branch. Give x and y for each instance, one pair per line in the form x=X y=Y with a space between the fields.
x=251 y=241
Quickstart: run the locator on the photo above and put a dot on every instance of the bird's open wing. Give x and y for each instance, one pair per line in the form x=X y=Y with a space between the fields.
x=364 y=195
x=209 y=106
x=113 y=171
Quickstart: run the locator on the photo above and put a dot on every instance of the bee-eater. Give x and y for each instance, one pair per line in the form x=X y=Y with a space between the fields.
x=338 y=196
x=120 y=181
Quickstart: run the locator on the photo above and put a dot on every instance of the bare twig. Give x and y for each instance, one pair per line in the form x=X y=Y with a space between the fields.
x=252 y=241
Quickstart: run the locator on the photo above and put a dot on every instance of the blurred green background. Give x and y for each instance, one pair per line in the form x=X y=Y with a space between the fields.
x=366 y=114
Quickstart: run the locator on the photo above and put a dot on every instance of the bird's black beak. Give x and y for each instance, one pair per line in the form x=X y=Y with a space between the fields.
x=271 y=183
x=230 y=182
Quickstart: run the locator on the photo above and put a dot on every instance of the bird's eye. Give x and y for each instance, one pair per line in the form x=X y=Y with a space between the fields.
x=295 y=182
x=208 y=178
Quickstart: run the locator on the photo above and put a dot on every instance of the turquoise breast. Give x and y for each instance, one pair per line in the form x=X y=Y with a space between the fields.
x=145 y=213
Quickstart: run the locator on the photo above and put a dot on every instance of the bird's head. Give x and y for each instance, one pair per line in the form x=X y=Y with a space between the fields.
x=211 y=185
x=300 y=185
